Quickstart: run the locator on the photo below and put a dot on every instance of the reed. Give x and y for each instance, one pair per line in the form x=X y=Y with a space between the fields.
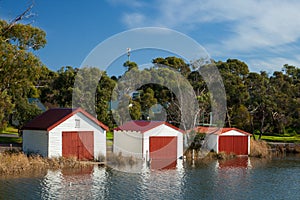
x=18 y=162
x=297 y=149
x=259 y=149
x=206 y=156
x=120 y=160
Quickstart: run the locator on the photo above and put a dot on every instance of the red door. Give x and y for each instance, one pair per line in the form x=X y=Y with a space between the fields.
x=234 y=144
x=78 y=144
x=163 y=152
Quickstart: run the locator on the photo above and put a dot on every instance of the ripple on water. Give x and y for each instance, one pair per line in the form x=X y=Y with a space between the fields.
x=275 y=179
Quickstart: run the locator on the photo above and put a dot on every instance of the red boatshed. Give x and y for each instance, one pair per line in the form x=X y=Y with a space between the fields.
x=228 y=140
x=156 y=141
x=65 y=132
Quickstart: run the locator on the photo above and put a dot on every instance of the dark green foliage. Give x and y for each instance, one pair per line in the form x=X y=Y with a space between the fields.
x=198 y=141
x=130 y=65
x=176 y=63
x=20 y=69
x=25 y=112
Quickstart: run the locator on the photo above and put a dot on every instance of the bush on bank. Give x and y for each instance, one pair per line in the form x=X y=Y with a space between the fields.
x=18 y=162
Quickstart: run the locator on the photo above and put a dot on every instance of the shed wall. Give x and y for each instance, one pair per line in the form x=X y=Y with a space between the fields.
x=211 y=142
x=129 y=143
x=35 y=141
x=233 y=133
x=162 y=130
x=55 y=135
x=235 y=144
x=237 y=133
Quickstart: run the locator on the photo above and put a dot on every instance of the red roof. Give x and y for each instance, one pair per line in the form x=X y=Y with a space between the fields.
x=143 y=126
x=217 y=130
x=53 y=117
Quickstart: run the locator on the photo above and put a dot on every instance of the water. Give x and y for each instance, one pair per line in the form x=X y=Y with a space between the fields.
x=234 y=179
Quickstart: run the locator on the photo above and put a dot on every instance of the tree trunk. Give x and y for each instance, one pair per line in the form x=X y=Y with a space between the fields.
x=252 y=127
x=260 y=134
x=262 y=125
x=228 y=118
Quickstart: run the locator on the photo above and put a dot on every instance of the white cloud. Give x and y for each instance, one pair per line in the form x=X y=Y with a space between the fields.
x=253 y=25
x=271 y=64
x=277 y=24
x=134 y=19
x=131 y=3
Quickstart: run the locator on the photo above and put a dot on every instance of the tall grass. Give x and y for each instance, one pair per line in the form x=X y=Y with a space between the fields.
x=206 y=156
x=120 y=160
x=17 y=163
x=259 y=149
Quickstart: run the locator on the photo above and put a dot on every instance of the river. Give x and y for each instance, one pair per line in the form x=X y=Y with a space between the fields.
x=278 y=178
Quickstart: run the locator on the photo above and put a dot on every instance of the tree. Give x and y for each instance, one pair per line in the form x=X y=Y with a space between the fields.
x=92 y=90
x=63 y=86
x=19 y=67
x=234 y=73
x=7 y=107
x=45 y=85
x=130 y=65
x=103 y=97
x=261 y=102
x=26 y=112
x=176 y=63
x=285 y=99
x=147 y=101
x=203 y=95
x=135 y=110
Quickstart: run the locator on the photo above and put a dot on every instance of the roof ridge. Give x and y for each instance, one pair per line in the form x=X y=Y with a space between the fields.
x=56 y=118
x=136 y=125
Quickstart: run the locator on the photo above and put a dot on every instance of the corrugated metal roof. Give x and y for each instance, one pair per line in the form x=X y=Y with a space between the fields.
x=53 y=117
x=143 y=126
x=217 y=130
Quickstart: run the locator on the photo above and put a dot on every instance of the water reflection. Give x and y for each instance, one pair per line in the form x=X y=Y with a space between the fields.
x=163 y=164
x=238 y=162
x=163 y=183
x=239 y=178
x=88 y=182
x=231 y=176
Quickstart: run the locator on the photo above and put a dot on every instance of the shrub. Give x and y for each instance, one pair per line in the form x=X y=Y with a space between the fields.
x=18 y=162
x=259 y=149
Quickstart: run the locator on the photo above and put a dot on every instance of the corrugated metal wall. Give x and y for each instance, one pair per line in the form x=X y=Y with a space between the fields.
x=234 y=144
x=163 y=152
x=78 y=144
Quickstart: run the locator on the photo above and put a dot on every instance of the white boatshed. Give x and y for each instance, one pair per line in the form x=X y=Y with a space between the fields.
x=228 y=140
x=65 y=132
x=156 y=141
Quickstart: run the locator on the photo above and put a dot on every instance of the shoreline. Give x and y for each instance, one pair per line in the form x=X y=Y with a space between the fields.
x=37 y=166
x=14 y=162
x=284 y=147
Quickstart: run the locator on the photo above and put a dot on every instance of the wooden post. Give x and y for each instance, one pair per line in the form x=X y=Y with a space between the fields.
x=193 y=154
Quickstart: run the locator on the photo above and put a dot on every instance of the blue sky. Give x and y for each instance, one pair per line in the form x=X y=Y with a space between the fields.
x=264 y=34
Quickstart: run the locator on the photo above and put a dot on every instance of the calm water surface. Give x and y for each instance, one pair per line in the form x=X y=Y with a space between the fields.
x=234 y=179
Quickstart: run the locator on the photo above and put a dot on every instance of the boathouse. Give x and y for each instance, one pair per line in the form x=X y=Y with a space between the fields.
x=228 y=140
x=157 y=142
x=65 y=132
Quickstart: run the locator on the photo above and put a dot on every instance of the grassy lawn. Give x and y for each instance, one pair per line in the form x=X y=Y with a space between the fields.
x=9 y=140
x=10 y=130
x=290 y=139
x=109 y=135
x=109 y=143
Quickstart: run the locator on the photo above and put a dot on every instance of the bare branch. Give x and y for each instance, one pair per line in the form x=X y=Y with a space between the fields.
x=20 y=17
